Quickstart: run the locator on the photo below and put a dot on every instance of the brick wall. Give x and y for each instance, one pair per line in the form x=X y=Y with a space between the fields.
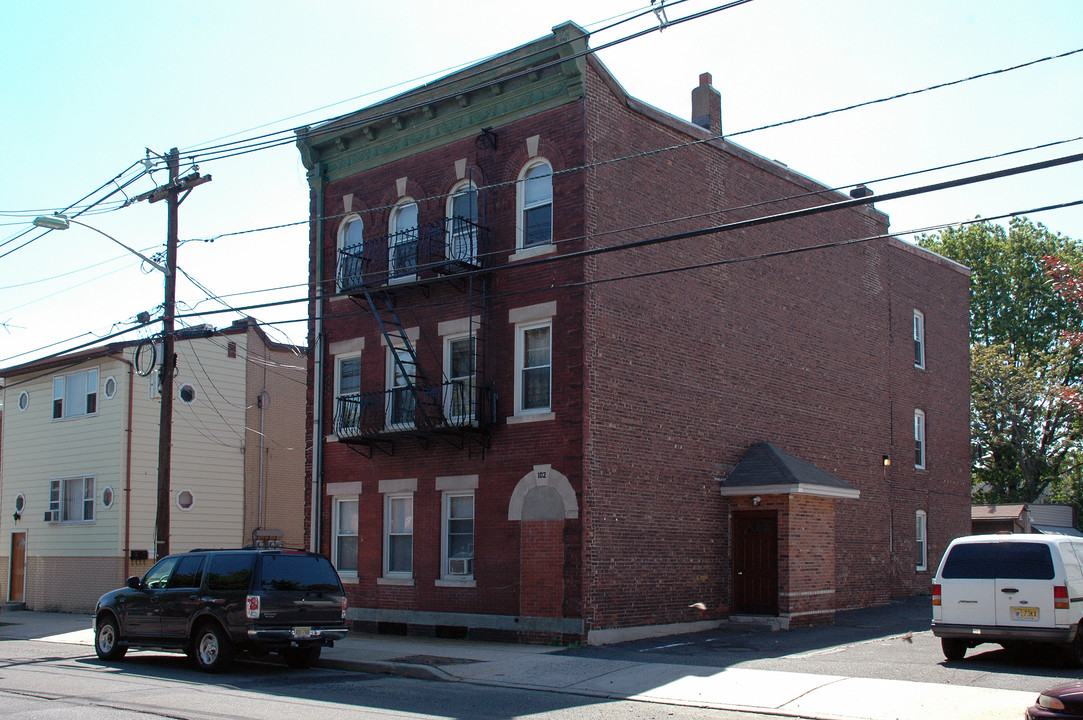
x=542 y=568
x=804 y=349
x=70 y=584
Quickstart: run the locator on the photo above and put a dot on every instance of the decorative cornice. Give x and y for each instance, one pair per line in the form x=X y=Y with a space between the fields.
x=531 y=79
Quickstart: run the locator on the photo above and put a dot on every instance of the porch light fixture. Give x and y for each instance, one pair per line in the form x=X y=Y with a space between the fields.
x=63 y=222
x=887 y=461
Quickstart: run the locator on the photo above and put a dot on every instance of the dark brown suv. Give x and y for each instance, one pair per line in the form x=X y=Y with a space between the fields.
x=212 y=604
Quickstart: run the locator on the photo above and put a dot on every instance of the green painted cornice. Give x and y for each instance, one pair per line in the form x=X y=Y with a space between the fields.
x=536 y=77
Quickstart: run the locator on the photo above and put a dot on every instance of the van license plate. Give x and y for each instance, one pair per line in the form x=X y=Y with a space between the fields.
x=303 y=633
x=1024 y=613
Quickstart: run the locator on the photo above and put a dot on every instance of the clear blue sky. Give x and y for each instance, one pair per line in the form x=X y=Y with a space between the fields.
x=88 y=85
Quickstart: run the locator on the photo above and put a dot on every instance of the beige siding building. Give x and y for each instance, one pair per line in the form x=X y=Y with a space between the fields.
x=79 y=471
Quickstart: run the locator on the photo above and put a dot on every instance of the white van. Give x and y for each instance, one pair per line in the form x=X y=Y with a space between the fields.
x=1010 y=589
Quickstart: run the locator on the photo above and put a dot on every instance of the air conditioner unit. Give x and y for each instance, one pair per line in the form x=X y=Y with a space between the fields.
x=460 y=566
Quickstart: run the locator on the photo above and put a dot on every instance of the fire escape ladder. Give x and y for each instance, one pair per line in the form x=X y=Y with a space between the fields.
x=423 y=407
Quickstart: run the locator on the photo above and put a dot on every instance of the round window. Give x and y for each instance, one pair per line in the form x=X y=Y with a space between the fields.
x=24 y=400
x=107 y=497
x=20 y=503
x=185 y=499
x=187 y=393
x=110 y=387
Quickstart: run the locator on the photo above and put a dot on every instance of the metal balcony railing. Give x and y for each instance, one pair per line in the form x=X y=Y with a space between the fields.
x=455 y=405
x=444 y=246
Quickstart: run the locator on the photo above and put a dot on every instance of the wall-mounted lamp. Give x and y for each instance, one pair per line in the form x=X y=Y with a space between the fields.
x=17 y=515
x=887 y=461
x=755 y=499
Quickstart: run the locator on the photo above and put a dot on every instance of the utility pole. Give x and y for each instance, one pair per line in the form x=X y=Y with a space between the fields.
x=171 y=193
x=169 y=360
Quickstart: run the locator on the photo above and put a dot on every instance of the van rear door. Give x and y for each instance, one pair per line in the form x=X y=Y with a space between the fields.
x=1024 y=588
x=968 y=598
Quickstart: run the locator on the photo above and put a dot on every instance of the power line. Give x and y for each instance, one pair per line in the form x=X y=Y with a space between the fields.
x=716 y=229
x=268 y=141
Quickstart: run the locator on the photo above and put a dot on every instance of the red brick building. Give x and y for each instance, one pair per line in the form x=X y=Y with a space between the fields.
x=543 y=404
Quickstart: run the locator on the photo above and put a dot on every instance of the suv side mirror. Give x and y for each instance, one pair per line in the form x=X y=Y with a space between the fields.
x=133 y=582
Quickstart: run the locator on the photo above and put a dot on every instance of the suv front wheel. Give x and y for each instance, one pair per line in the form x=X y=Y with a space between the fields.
x=211 y=648
x=107 y=643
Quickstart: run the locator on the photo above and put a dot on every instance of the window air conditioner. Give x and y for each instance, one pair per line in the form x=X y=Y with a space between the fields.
x=460 y=566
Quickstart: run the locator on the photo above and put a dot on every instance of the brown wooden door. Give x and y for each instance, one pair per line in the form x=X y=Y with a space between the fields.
x=17 y=579
x=755 y=563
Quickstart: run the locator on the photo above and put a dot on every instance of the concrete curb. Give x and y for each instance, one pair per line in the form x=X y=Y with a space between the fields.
x=407 y=670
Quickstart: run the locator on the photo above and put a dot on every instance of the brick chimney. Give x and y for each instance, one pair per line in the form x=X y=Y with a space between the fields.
x=707 y=106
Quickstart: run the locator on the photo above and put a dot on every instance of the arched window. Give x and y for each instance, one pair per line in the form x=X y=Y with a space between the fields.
x=402 y=240
x=462 y=224
x=535 y=201
x=351 y=247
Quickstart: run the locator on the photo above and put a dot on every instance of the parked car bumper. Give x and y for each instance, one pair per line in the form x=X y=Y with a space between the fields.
x=997 y=633
x=289 y=636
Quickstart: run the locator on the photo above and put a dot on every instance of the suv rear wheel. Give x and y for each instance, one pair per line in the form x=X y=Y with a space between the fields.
x=954 y=648
x=212 y=648
x=107 y=643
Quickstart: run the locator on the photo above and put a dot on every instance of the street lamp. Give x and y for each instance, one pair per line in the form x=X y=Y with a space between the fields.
x=63 y=222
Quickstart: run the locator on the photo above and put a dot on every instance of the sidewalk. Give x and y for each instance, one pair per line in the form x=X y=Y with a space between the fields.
x=534 y=667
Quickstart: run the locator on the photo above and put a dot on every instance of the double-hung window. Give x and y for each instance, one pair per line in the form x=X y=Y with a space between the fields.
x=398 y=535
x=919 y=340
x=460 y=398
x=71 y=500
x=534 y=353
x=919 y=440
x=348 y=401
x=535 y=205
x=400 y=395
x=459 y=535
x=462 y=230
x=344 y=546
x=920 y=535
x=402 y=242
x=75 y=395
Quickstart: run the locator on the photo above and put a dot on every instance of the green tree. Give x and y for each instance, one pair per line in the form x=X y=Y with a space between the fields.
x=1025 y=429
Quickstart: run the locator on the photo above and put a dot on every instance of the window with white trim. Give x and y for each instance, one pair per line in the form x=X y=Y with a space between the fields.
x=919 y=440
x=459 y=368
x=351 y=250
x=535 y=203
x=400 y=397
x=462 y=223
x=919 y=340
x=347 y=393
x=920 y=535
x=399 y=535
x=534 y=367
x=75 y=395
x=71 y=500
x=402 y=241
x=344 y=542
x=24 y=400
x=458 y=540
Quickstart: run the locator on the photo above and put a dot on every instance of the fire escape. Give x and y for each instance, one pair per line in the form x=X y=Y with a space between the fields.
x=383 y=274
